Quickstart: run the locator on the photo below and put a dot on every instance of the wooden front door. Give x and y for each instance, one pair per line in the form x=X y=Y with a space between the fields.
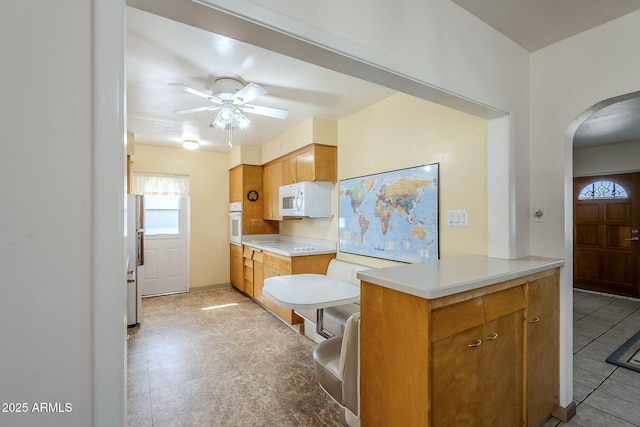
x=606 y=220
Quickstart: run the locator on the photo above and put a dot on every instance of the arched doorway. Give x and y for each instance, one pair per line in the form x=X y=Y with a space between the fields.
x=606 y=197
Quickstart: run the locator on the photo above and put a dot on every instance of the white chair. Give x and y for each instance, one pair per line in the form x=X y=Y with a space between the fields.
x=336 y=363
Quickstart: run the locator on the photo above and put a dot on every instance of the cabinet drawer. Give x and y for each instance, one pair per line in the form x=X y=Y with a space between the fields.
x=248 y=252
x=248 y=263
x=454 y=318
x=258 y=256
x=276 y=262
x=504 y=302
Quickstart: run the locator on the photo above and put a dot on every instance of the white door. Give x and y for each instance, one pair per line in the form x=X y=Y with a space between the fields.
x=165 y=246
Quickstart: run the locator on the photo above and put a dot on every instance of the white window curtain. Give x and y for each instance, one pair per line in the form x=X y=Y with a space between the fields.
x=160 y=184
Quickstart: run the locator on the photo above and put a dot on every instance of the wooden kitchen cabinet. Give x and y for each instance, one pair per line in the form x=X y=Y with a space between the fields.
x=278 y=265
x=235 y=184
x=237 y=263
x=247 y=271
x=258 y=276
x=272 y=180
x=311 y=163
x=246 y=186
x=473 y=358
x=543 y=349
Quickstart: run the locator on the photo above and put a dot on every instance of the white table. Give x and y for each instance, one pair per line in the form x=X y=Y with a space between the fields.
x=310 y=292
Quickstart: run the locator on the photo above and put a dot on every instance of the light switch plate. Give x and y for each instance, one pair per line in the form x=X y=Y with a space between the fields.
x=457 y=218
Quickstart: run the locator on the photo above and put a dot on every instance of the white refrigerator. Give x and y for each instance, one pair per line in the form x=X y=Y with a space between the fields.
x=134 y=228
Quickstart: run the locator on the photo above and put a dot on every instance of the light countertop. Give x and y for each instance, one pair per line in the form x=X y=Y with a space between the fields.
x=449 y=276
x=289 y=246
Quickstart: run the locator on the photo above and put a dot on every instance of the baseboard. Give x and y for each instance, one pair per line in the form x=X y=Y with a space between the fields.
x=564 y=414
x=210 y=287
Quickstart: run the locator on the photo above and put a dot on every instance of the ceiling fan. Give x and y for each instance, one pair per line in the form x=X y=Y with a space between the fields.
x=231 y=96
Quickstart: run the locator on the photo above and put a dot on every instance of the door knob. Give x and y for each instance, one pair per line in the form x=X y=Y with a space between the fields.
x=634 y=238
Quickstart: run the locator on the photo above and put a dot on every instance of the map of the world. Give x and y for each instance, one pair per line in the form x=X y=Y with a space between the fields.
x=391 y=215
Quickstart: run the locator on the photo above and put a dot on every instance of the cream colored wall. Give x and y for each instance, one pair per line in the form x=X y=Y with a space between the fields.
x=314 y=130
x=403 y=131
x=209 y=172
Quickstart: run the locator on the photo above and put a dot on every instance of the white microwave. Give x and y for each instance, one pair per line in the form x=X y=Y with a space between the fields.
x=306 y=199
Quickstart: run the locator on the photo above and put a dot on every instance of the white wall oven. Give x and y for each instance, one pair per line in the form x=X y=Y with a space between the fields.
x=235 y=223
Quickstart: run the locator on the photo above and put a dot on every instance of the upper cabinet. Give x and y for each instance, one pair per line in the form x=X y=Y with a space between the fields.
x=246 y=186
x=272 y=180
x=314 y=162
x=235 y=184
x=311 y=163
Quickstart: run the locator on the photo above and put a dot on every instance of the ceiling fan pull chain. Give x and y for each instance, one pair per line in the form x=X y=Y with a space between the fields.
x=230 y=136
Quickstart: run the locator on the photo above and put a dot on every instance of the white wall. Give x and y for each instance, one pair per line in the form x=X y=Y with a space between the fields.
x=437 y=42
x=48 y=210
x=613 y=158
x=567 y=78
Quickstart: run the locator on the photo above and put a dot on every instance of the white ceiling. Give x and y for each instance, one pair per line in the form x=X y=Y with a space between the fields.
x=534 y=24
x=161 y=51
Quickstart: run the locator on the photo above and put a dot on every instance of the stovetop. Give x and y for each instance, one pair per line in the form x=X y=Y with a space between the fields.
x=289 y=248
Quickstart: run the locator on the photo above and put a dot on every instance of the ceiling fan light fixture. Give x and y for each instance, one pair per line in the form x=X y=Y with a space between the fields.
x=191 y=144
x=241 y=120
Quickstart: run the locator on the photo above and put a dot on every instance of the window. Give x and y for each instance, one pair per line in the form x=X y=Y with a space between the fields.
x=603 y=190
x=161 y=215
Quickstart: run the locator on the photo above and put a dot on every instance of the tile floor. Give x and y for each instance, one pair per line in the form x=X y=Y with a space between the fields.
x=216 y=358
x=607 y=395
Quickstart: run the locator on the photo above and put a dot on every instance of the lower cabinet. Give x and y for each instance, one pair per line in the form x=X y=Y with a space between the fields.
x=543 y=349
x=250 y=266
x=487 y=357
x=236 y=273
x=278 y=265
x=477 y=375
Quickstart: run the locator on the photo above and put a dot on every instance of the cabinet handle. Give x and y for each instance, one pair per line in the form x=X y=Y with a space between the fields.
x=492 y=337
x=535 y=320
x=476 y=343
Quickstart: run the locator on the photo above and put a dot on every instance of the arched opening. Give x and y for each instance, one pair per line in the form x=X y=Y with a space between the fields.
x=605 y=201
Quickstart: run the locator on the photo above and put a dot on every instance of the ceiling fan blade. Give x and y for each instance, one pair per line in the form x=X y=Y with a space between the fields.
x=276 y=113
x=196 y=92
x=198 y=109
x=250 y=92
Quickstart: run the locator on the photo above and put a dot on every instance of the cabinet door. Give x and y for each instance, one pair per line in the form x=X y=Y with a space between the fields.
x=235 y=184
x=289 y=172
x=237 y=278
x=305 y=166
x=248 y=277
x=456 y=398
x=477 y=375
x=272 y=180
x=258 y=280
x=502 y=371
x=325 y=163
x=542 y=349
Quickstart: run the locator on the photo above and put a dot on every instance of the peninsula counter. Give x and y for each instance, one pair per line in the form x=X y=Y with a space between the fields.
x=466 y=340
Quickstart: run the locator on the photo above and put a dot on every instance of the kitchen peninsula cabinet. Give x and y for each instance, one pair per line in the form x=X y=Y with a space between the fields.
x=444 y=343
x=542 y=352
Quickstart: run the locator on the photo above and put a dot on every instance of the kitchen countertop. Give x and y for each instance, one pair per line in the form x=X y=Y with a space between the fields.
x=449 y=276
x=290 y=246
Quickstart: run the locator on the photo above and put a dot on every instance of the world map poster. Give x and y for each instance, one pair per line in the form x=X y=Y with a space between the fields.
x=391 y=215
